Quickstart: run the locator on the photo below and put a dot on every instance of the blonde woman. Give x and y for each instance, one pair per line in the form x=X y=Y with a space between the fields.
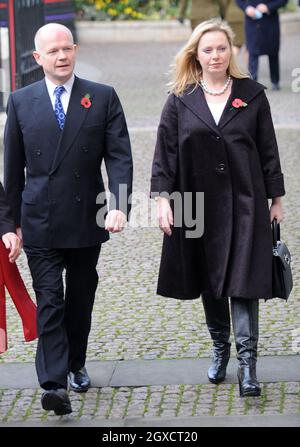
x=216 y=136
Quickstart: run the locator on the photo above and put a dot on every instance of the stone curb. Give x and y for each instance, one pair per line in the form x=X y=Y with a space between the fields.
x=134 y=373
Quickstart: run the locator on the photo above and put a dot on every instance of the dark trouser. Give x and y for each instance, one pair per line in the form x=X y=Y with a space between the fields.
x=273 y=64
x=64 y=322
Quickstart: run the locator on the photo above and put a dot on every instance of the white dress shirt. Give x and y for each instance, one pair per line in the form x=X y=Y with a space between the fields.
x=216 y=110
x=65 y=96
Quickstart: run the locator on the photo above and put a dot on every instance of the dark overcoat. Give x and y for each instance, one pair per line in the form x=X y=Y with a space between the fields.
x=263 y=35
x=236 y=164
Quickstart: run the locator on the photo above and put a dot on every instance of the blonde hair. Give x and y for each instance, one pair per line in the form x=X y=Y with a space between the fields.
x=186 y=69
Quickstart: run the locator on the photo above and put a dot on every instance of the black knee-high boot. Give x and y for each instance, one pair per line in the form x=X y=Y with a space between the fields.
x=218 y=323
x=244 y=313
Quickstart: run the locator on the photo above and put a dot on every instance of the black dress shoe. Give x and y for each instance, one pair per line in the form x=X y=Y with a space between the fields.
x=79 y=381
x=56 y=400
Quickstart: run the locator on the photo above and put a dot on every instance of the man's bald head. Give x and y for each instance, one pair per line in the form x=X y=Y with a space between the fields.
x=55 y=52
x=49 y=31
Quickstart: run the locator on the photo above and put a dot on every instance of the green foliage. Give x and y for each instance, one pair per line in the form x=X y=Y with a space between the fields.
x=137 y=9
x=126 y=9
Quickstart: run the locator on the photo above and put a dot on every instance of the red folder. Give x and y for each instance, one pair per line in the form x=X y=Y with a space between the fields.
x=11 y=279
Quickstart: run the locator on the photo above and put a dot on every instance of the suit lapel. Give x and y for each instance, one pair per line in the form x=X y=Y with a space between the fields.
x=244 y=89
x=75 y=117
x=196 y=102
x=43 y=113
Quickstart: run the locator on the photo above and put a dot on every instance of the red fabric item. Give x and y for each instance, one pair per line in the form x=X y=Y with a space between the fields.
x=11 y=279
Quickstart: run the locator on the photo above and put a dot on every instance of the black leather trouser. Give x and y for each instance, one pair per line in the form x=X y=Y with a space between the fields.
x=218 y=323
x=217 y=318
x=244 y=314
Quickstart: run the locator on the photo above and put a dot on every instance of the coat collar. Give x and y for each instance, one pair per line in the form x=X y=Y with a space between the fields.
x=245 y=89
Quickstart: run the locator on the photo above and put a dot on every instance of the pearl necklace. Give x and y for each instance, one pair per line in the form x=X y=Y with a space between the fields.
x=214 y=93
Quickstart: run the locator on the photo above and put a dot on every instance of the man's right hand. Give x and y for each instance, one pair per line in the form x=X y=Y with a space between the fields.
x=13 y=243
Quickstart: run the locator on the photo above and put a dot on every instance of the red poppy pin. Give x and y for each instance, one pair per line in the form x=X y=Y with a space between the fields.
x=86 y=102
x=237 y=103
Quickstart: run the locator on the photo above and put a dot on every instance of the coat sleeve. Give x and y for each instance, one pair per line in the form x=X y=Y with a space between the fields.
x=242 y=4
x=272 y=5
x=117 y=156
x=14 y=162
x=276 y=4
x=6 y=221
x=164 y=166
x=268 y=151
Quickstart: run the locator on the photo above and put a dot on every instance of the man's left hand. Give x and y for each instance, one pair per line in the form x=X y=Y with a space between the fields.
x=115 y=221
x=12 y=243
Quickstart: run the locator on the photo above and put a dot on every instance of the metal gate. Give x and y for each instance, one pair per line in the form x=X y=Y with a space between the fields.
x=3 y=54
x=19 y=21
x=25 y=18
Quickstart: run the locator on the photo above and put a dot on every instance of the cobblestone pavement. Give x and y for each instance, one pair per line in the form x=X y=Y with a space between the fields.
x=130 y=321
x=172 y=401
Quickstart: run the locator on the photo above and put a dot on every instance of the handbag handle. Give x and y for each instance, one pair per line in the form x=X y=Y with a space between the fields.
x=275 y=232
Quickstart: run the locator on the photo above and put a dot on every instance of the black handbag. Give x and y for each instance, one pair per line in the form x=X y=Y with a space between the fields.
x=282 y=279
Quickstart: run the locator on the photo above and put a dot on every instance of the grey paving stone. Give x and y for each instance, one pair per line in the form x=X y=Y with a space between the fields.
x=188 y=371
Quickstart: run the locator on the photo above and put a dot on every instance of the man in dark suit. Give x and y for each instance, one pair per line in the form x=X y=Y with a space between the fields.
x=8 y=228
x=60 y=129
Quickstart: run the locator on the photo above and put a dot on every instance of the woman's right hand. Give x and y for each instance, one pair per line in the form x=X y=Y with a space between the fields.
x=164 y=215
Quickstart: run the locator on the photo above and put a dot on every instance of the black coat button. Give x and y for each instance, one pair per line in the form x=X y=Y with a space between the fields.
x=222 y=167
x=78 y=199
x=76 y=174
x=85 y=149
x=38 y=152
